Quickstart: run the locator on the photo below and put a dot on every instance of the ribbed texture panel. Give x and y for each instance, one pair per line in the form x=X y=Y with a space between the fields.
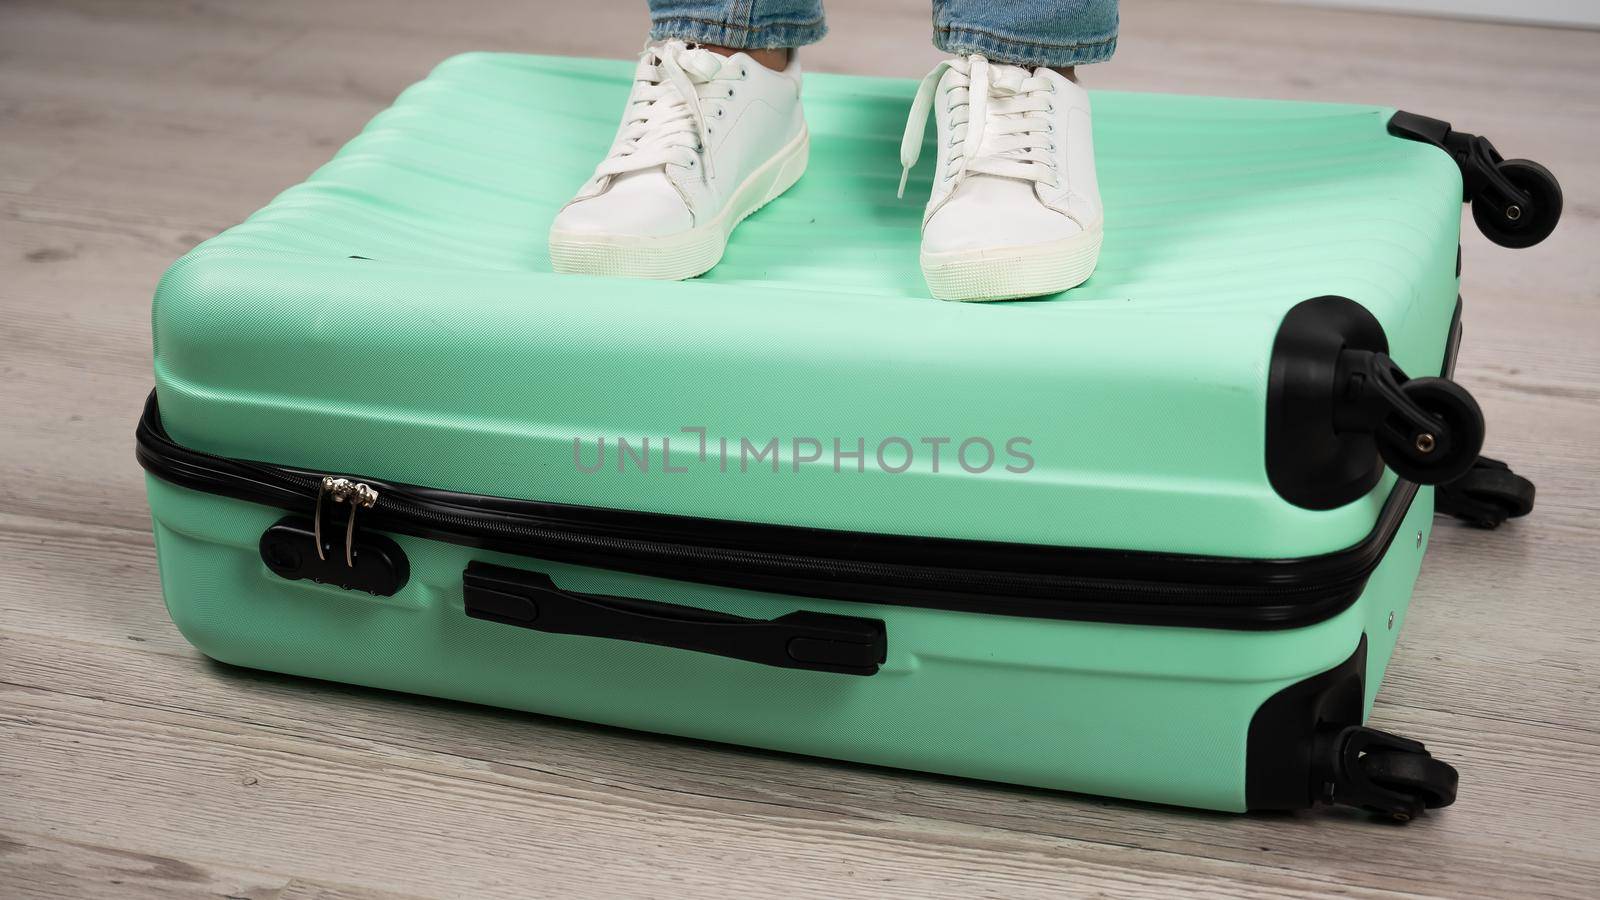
x=452 y=356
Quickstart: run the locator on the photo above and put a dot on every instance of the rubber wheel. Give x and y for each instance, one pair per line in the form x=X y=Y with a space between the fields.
x=1429 y=780
x=1531 y=225
x=1487 y=495
x=1454 y=407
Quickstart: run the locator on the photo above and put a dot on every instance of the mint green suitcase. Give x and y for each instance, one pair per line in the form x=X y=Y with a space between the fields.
x=1147 y=539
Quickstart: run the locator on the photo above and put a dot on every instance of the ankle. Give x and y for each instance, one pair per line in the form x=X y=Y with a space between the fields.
x=1070 y=73
x=775 y=59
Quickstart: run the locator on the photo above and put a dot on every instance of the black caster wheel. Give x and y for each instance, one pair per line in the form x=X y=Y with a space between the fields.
x=1487 y=495
x=1430 y=783
x=1385 y=774
x=1427 y=458
x=1516 y=225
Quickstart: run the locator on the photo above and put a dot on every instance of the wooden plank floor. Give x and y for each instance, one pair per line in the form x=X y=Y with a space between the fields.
x=130 y=766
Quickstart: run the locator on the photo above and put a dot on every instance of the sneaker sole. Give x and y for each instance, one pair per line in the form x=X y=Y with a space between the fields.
x=674 y=257
x=1011 y=273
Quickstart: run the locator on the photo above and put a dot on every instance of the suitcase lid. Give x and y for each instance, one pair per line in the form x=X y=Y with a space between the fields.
x=395 y=316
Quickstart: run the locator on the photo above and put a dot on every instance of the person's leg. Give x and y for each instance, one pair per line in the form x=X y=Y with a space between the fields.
x=712 y=130
x=766 y=29
x=1058 y=34
x=1015 y=208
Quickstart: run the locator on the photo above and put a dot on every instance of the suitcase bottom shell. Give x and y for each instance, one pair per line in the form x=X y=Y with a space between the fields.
x=1201 y=717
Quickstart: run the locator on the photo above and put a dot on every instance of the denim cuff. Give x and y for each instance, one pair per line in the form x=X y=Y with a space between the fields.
x=1014 y=52
x=767 y=36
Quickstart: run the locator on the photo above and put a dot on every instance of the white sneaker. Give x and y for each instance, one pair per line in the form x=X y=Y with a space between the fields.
x=705 y=141
x=1015 y=210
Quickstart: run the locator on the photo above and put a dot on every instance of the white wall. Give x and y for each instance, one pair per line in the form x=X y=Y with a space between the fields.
x=1578 y=13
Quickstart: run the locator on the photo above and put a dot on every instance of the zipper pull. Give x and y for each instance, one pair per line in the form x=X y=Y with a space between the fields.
x=359 y=495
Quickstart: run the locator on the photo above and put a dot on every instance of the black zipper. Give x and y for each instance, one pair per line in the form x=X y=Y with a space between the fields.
x=989 y=577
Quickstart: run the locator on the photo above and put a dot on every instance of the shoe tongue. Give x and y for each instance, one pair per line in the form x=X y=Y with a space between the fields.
x=1009 y=76
x=702 y=65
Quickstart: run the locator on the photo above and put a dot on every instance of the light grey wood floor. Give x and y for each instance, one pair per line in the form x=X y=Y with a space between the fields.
x=129 y=766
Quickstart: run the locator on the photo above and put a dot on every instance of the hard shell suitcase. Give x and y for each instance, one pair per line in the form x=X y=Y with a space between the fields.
x=1148 y=539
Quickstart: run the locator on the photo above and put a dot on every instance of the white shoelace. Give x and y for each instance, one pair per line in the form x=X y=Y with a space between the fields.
x=999 y=122
x=665 y=122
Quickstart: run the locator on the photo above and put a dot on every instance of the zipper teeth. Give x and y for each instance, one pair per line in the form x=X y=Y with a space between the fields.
x=890 y=574
x=393 y=503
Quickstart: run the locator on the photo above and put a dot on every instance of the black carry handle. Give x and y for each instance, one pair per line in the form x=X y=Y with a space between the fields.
x=821 y=642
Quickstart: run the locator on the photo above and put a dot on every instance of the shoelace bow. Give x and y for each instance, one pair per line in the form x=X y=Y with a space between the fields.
x=999 y=122
x=665 y=121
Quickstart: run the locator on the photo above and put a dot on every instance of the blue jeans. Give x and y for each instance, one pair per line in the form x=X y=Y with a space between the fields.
x=1019 y=32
